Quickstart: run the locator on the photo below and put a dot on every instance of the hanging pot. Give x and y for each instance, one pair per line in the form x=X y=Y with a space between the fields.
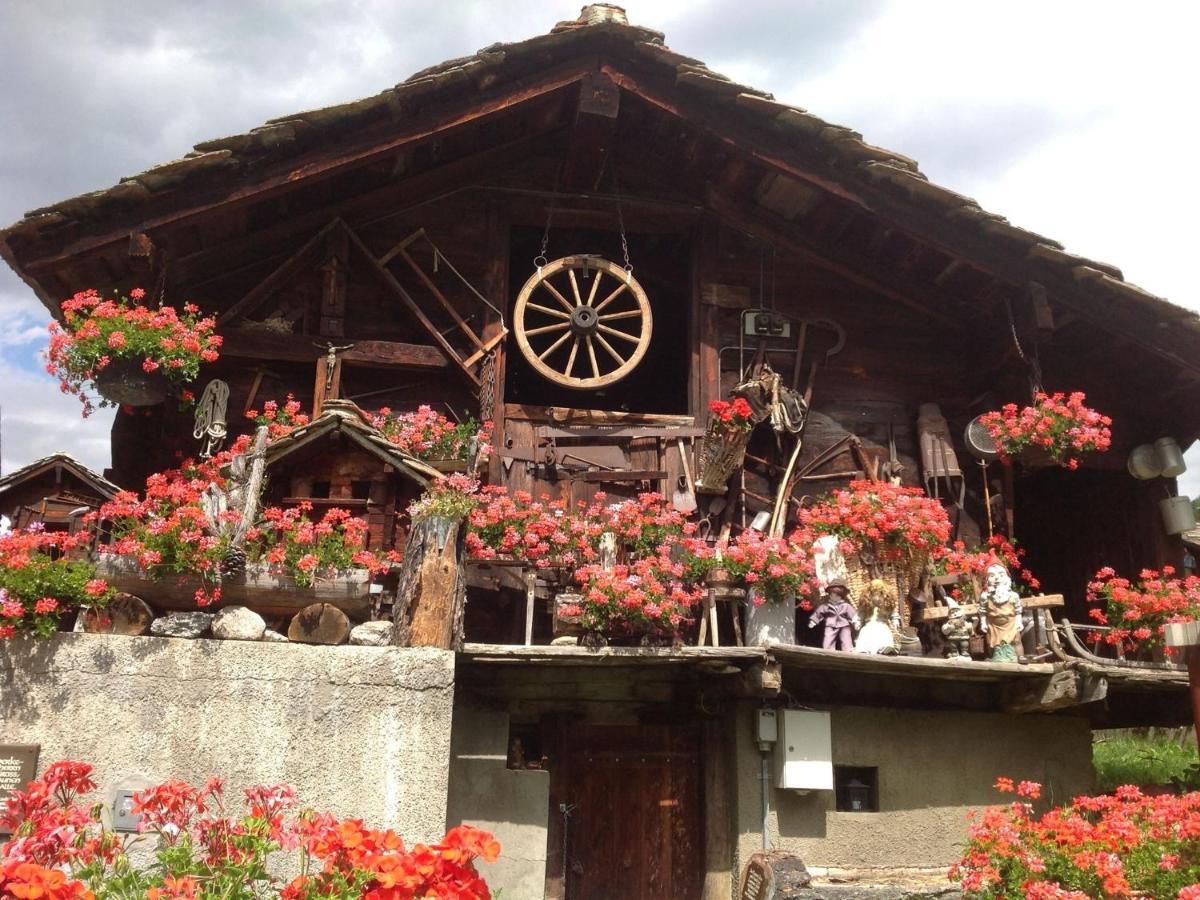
x=124 y=381
x=1178 y=514
x=1170 y=457
x=1143 y=463
x=769 y=621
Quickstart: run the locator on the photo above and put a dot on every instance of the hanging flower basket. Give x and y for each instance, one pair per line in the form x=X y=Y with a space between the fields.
x=124 y=382
x=723 y=446
x=129 y=352
x=1056 y=430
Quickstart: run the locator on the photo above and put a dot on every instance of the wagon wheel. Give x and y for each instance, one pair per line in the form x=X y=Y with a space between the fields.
x=599 y=332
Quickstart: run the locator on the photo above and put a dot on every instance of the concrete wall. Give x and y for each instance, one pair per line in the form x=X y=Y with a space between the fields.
x=933 y=768
x=358 y=731
x=511 y=803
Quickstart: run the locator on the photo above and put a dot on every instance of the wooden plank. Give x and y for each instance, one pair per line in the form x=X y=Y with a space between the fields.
x=613 y=477
x=567 y=415
x=263 y=344
x=937 y=613
x=649 y=431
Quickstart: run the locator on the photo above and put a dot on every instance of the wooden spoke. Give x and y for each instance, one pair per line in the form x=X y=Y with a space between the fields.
x=611 y=297
x=562 y=340
x=592 y=356
x=557 y=326
x=579 y=321
x=561 y=299
x=546 y=310
x=611 y=352
x=574 y=287
x=596 y=276
x=571 y=358
x=620 y=334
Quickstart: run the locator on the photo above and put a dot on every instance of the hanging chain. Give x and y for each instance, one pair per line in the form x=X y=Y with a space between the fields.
x=540 y=260
x=1035 y=365
x=621 y=225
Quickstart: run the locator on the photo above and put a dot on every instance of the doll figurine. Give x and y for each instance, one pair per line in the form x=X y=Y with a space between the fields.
x=838 y=615
x=1000 y=614
x=876 y=611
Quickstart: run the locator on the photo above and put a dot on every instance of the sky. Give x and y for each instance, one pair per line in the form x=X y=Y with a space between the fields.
x=1073 y=118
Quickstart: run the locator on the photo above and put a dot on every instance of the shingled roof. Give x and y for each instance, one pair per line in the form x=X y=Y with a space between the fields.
x=874 y=177
x=98 y=483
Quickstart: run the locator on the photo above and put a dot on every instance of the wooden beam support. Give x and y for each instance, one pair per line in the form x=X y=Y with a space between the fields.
x=262 y=344
x=594 y=131
x=289 y=268
x=1061 y=690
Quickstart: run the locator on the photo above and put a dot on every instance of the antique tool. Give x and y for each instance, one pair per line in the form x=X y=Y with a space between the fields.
x=210 y=424
x=684 y=496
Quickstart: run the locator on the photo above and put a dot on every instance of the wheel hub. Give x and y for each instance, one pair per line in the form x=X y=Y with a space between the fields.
x=584 y=320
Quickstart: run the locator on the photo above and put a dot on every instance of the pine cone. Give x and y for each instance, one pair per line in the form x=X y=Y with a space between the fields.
x=234 y=562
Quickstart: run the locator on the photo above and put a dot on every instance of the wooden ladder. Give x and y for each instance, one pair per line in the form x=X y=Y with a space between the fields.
x=467 y=349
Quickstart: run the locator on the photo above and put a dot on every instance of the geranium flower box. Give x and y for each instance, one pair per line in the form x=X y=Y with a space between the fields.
x=260 y=587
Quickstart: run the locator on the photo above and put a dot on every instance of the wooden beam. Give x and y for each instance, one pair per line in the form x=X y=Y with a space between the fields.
x=594 y=132
x=289 y=268
x=396 y=197
x=937 y=613
x=1061 y=690
x=768 y=227
x=263 y=344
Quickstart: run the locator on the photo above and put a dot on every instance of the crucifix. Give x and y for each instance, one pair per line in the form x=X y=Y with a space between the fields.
x=329 y=375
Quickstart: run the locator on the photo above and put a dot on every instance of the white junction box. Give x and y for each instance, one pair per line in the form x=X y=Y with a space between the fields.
x=804 y=751
x=767 y=731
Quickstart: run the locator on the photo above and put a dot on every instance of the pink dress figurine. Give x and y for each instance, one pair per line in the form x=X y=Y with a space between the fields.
x=838 y=615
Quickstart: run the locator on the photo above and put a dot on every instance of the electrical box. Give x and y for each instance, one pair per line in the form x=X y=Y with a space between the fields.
x=124 y=818
x=761 y=323
x=767 y=731
x=804 y=751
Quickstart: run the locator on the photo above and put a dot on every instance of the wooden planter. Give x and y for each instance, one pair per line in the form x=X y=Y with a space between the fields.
x=124 y=381
x=720 y=456
x=258 y=588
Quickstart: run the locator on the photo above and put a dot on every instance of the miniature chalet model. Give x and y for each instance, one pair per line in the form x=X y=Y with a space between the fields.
x=651 y=280
x=54 y=492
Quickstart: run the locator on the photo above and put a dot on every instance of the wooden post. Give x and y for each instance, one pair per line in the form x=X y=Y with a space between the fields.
x=1186 y=637
x=431 y=596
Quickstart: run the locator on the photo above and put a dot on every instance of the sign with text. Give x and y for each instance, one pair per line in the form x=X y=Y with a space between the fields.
x=18 y=766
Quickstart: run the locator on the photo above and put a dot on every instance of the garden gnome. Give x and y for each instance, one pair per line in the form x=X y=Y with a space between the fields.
x=1000 y=614
x=838 y=615
x=957 y=629
x=877 y=609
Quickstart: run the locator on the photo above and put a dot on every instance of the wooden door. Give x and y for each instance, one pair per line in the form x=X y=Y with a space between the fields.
x=634 y=829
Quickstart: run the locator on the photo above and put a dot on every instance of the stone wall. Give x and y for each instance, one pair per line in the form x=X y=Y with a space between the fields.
x=358 y=731
x=511 y=803
x=932 y=768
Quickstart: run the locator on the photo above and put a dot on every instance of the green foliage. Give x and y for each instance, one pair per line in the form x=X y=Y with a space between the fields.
x=1144 y=761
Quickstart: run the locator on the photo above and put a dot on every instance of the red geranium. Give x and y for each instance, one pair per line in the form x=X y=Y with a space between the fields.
x=1138 y=611
x=1058 y=424
x=96 y=331
x=881 y=519
x=730 y=415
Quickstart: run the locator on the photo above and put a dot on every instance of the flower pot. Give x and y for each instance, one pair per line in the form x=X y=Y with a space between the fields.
x=257 y=587
x=719 y=578
x=769 y=621
x=124 y=381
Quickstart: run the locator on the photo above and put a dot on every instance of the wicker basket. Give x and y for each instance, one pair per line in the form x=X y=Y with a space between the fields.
x=905 y=574
x=719 y=457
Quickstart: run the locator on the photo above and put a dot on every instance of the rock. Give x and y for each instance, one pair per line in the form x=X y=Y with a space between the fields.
x=125 y=614
x=319 y=623
x=372 y=634
x=182 y=624
x=237 y=623
x=271 y=636
x=565 y=641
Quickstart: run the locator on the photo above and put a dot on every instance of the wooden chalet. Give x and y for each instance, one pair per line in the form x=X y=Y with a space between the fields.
x=54 y=492
x=380 y=253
